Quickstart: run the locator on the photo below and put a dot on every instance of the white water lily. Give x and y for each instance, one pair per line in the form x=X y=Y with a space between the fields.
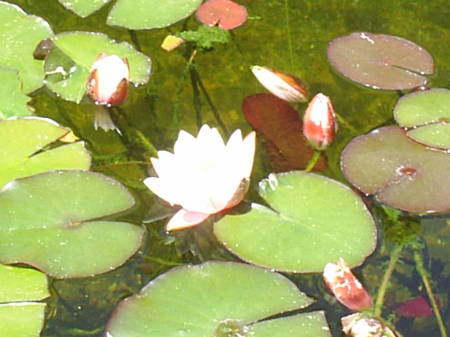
x=203 y=175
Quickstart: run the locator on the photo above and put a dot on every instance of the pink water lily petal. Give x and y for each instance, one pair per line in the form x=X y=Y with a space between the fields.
x=184 y=219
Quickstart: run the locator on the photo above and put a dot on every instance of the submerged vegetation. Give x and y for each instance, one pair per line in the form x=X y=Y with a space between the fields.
x=133 y=206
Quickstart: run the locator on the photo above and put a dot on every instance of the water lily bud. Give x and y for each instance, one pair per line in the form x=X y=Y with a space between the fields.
x=345 y=286
x=319 y=122
x=357 y=325
x=282 y=85
x=108 y=80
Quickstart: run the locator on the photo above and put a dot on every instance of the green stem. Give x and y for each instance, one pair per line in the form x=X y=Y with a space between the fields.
x=196 y=99
x=289 y=35
x=313 y=161
x=181 y=85
x=424 y=274
x=344 y=122
x=395 y=255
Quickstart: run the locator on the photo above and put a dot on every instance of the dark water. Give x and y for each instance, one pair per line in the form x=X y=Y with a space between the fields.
x=81 y=307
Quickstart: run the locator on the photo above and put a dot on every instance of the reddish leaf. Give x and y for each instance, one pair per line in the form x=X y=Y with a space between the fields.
x=280 y=125
x=224 y=13
x=415 y=307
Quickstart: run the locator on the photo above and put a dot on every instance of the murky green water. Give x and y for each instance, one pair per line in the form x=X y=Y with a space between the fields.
x=289 y=35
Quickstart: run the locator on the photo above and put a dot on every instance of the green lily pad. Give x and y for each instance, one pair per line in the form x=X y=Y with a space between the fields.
x=313 y=220
x=67 y=66
x=19 y=35
x=20 y=315
x=23 y=148
x=137 y=14
x=427 y=113
x=216 y=299
x=400 y=172
x=46 y=221
x=14 y=101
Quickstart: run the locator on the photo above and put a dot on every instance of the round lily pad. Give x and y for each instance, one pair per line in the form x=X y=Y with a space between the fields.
x=380 y=61
x=312 y=220
x=68 y=64
x=47 y=220
x=216 y=299
x=19 y=35
x=427 y=114
x=23 y=148
x=398 y=171
x=83 y=8
x=226 y=14
x=14 y=101
x=20 y=312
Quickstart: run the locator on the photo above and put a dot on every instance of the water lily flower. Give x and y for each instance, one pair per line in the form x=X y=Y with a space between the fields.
x=319 y=122
x=346 y=287
x=282 y=85
x=203 y=175
x=108 y=85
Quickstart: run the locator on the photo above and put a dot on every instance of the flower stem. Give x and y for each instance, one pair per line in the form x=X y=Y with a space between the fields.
x=289 y=35
x=424 y=275
x=395 y=255
x=344 y=122
x=313 y=161
x=181 y=85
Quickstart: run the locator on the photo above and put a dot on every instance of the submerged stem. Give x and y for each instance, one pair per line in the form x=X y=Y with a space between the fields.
x=289 y=35
x=395 y=255
x=344 y=122
x=424 y=275
x=313 y=161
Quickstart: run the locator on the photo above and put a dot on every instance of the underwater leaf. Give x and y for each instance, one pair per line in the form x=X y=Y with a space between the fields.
x=427 y=113
x=23 y=148
x=206 y=37
x=149 y=14
x=51 y=221
x=212 y=299
x=380 y=61
x=19 y=315
x=14 y=101
x=68 y=64
x=398 y=171
x=83 y=8
x=226 y=14
x=19 y=35
x=280 y=125
x=312 y=220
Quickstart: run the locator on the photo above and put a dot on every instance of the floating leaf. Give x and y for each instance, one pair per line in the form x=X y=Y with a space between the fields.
x=22 y=151
x=69 y=62
x=63 y=240
x=216 y=299
x=313 y=220
x=14 y=101
x=281 y=126
x=83 y=8
x=19 y=35
x=19 y=315
x=398 y=171
x=380 y=61
x=149 y=14
x=427 y=113
x=226 y=14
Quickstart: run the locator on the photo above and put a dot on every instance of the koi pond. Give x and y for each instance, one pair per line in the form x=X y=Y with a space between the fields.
x=219 y=168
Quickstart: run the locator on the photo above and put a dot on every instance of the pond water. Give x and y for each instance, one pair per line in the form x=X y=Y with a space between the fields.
x=287 y=35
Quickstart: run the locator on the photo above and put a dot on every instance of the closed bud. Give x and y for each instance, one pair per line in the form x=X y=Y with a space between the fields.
x=319 y=122
x=357 y=325
x=282 y=85
x=108 y=80
x=345 y=286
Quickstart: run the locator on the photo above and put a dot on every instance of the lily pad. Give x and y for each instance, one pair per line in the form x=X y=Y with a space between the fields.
x=380 y=61
x=46 y=220
x=19 y=35
x=69 y=62
x=427 y=114
x=23 y=149
x=281 y=127
x=14 y=101
x=216 y=299
x=20 y=313
x=312 y=220
x=226 y=14
x=137 y=14
x=398 y=171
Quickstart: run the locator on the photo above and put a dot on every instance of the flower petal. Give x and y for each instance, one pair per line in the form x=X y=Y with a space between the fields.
x=184 y=219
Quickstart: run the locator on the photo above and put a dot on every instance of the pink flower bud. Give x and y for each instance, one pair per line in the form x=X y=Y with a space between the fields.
x=319 y=122
x=108 y=80
x=345 y=286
